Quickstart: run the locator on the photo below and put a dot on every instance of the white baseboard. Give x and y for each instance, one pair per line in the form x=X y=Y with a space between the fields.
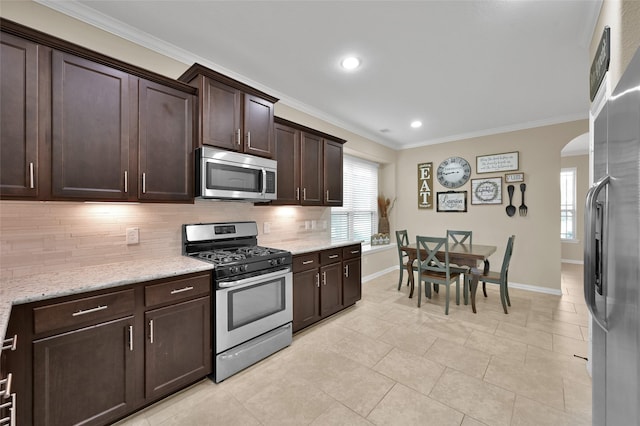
x=379 y=273
x=536 y=289
x=573 y=261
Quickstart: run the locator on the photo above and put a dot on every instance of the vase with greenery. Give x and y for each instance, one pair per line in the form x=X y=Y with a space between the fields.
x=385 y=206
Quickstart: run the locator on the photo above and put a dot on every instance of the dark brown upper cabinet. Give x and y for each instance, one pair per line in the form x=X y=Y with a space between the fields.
x=232 y=115
x=309 y=165
x=19 y=117
x=79 y=125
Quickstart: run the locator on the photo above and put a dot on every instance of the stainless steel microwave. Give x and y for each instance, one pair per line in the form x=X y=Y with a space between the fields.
x=228 y=175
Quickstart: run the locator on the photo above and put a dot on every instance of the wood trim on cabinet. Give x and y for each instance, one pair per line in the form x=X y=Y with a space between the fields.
x=284 y=121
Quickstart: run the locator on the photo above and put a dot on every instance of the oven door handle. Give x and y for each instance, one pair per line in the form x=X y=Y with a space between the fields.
x=256 y=279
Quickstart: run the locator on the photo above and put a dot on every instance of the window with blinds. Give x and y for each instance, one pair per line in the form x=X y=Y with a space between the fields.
x=568 y=204
x=357 y=219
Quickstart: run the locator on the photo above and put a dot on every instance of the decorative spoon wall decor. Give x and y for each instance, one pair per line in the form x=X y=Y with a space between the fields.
x=511 y=209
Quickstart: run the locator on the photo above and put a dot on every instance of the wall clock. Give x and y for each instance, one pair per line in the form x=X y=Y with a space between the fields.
x=454 y=172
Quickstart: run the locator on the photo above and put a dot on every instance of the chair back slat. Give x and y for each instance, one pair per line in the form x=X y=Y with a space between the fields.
x=460 y=237
x=402 y=238
x=507 y=257
x=428 y=247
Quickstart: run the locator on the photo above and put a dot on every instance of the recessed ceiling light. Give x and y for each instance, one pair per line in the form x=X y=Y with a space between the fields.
x=415 y=124
x=350 y=63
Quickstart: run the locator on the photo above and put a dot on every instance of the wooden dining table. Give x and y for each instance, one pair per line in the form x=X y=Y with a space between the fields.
x=460 y=255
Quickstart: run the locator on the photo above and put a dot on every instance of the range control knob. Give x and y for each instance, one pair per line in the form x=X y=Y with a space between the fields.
x=245 y=268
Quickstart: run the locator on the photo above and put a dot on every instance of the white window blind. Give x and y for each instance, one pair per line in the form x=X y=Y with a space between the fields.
x=357 y=218
x=568 y=204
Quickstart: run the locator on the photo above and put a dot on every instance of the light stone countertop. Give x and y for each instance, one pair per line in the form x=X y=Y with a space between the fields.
x=305 y=246
x=73 y=281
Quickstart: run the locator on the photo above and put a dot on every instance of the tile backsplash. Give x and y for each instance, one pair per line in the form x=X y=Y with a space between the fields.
x=39 y=237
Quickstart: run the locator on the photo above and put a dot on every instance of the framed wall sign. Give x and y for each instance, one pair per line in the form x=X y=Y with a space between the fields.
x=452 y=201
x=486 y=191
x=497 y=162
x=514 y=177
x=425 y=183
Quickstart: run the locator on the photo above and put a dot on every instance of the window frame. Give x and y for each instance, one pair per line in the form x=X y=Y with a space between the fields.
x=568 y=208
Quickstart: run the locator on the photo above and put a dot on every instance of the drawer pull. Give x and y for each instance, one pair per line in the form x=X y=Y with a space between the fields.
x=333 y=256
x=11 y=405
x=181 y=290
x=89 y=311
x=7 y=385
x=307 y=262
x=10 y=344
x=355 y=251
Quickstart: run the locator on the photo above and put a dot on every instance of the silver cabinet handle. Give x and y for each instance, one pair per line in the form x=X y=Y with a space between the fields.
x=144 y=183
x=249 y=139
x=304 y=194
x=327 y=195
x=318 y=280
x=238 y=137
x=591 y=269
x=333 y=256
x=126 y=181
x=11 y=405
x=307 y=262
x=324 y=277
x=150 y=331
x=31 y=182
x=355 y=251
x=7 y=385
x=181 y=290
x=298 y=193
x=131 y=338
x=10 y=344
x=89 y=311
x=346 y=271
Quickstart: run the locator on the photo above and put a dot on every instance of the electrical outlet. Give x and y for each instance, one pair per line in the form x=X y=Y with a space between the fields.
x=266 y=228
x=133 y=236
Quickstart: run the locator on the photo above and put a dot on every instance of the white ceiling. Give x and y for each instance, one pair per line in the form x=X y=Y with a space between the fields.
x=464 y=68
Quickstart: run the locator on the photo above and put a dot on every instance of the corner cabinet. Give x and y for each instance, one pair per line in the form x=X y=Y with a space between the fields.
x=96 y=357
x=309 y=166
x=232 y=115
x=86 y=127
x=324 y=283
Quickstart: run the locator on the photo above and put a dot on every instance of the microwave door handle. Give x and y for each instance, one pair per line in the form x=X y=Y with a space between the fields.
x=264 y=182
x=593 y=263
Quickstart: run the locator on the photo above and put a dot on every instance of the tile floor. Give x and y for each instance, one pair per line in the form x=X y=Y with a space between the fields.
x=387 y=362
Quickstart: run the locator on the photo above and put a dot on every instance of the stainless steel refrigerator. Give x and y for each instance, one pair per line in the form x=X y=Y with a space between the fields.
x=612 y=254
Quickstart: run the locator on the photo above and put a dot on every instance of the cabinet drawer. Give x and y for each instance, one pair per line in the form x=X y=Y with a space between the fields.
x=351 y=252
x=175 y=290
x=85 y=311
x=306 y=261
x=330 y=256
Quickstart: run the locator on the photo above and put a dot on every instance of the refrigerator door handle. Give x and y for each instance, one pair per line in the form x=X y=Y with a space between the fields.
x=593 y=272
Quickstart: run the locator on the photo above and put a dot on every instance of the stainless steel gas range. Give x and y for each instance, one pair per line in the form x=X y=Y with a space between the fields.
x=253 y=293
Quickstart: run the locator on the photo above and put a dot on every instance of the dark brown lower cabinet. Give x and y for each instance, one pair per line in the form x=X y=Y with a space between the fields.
x=178 y=348
x=84 y=376
x=325 y=282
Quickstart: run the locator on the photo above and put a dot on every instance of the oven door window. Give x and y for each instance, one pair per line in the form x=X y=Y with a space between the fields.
x=233 y=178
x=253 y=303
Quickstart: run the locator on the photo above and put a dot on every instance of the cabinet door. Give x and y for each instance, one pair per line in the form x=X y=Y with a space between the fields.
x=287 y=154
x=85 y=376
x=332 y=173
x=220 y=115
x=90 y=134
x=258 y=126
x=351 y=281
x=330 y=289
x=311 y=169
x=306 y=305
x=178 y=346
x=165 y=123
x=19 y=117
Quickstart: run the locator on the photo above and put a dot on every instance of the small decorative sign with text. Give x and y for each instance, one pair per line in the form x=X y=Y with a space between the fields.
x=425 y=183
x=497 y=162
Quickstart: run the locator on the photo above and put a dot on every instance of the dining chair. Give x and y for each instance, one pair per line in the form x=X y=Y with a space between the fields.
x=433 y=270
x=501 y=278
x=461 y=237
x=402 y=239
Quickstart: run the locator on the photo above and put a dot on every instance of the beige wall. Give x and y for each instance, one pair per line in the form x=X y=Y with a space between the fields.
x=536 y=256
x=573 y=252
